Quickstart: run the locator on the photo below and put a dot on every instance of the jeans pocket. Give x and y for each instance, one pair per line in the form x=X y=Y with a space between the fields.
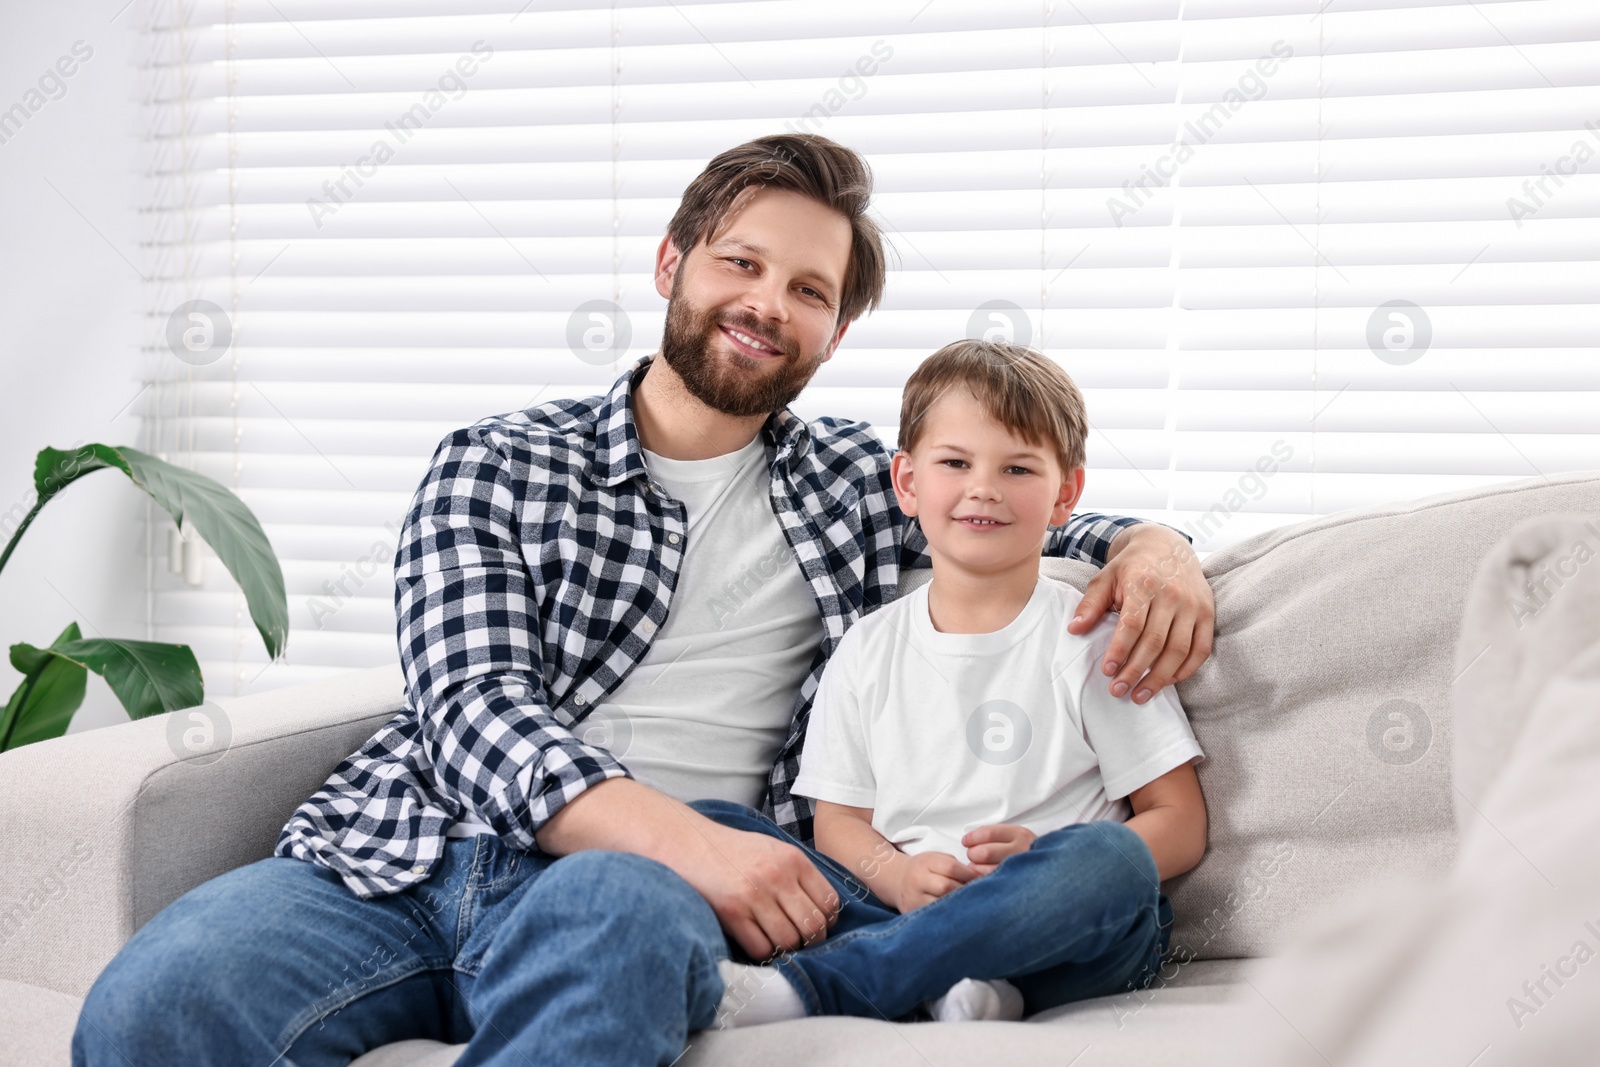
x=1165 y=917
x=496 y=864
x=500 y=875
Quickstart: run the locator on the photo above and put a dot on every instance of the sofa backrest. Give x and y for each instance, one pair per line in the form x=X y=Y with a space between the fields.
x=1324 y=710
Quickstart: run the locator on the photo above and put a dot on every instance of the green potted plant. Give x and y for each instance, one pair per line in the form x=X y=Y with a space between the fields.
x=148 y=677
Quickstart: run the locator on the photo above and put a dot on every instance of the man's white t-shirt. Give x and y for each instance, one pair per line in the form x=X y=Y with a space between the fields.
x=707 y=710
x=940 y=733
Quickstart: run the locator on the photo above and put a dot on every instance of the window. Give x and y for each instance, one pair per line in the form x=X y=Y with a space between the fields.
x=1300 y=256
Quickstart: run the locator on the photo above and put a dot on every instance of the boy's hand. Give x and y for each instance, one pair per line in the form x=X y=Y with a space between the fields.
x=927 y=876
x=987 y=845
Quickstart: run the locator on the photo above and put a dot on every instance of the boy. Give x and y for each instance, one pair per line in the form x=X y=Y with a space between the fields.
x=966 y=767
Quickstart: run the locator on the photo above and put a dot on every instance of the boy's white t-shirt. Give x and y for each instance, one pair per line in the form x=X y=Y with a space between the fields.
x=940 y=733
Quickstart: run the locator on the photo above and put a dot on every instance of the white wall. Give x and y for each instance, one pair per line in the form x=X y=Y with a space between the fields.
x=70 y=309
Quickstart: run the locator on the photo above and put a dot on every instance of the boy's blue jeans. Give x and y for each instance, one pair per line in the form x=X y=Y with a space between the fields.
x=1080 y=914
x=596 y=958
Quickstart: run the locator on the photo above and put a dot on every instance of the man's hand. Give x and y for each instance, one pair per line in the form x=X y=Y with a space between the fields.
x=1153 y=578
x=927 y=876
x=987 y=845
x=766 y=893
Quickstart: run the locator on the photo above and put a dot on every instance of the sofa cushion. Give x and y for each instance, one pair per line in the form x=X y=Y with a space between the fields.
x=1534 y=608
x=1324 y=710
x=36 y=1025
x=1492 y=964
x=1196 y=1015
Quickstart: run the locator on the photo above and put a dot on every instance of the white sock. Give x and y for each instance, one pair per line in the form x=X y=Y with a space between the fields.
x=754 y=995
x=970 y=999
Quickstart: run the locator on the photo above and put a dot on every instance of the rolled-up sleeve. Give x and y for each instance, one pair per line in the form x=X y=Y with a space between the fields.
x=469 y=632
x=1088 y=536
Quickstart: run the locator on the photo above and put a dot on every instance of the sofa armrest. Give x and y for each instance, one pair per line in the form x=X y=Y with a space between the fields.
x=103 y=829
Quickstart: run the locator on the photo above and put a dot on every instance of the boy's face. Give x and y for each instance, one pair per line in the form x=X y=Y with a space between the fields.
x=985 y=496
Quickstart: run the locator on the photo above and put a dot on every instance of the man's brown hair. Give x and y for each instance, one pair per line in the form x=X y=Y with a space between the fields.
x=1023 y=390
x=803 y=163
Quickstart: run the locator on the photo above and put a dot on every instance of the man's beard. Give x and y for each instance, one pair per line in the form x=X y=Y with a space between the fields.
x=741 y=389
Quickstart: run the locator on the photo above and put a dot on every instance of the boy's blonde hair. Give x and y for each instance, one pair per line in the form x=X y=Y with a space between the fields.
x=1022 y=389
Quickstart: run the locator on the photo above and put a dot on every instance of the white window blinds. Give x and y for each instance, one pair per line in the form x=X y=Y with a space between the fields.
x=1300 y=256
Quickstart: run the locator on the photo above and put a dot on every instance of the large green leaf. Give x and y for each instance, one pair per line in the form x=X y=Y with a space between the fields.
x=148 y=677
x=51 y=691
x=54 y=469
x=221 y=518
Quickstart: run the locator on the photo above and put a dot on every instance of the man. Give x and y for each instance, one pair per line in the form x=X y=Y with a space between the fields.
x=676 y=559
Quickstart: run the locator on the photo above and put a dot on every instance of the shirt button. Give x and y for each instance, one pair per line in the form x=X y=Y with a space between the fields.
x=674 y=538
x=647 y=626
x=580 y=700
x=420 y=869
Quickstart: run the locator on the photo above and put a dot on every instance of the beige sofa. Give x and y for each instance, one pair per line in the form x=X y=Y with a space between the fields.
x=1330 y=726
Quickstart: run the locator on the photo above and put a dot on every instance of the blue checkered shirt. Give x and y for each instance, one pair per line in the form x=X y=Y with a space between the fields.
x=535 y=563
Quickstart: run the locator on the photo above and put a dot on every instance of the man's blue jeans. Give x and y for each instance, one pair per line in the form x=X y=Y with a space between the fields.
x=595 y=958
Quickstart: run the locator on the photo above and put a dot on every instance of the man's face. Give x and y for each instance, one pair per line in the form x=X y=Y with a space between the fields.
x=751 y=314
